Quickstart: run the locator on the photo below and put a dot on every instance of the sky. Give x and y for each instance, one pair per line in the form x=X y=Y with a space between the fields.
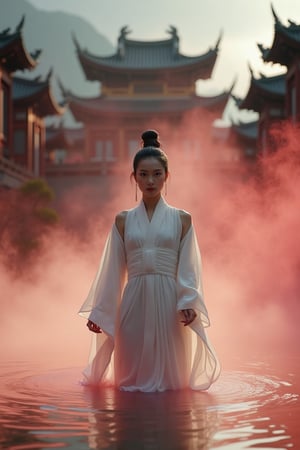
x=242 y=23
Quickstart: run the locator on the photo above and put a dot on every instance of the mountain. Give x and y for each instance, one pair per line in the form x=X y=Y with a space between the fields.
x=52 y=33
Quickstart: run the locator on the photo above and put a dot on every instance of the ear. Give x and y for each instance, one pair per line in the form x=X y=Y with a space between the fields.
x=166 y=176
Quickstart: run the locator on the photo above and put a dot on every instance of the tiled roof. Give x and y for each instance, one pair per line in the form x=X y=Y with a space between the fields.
x=286 y=43
x=272 y=88
x=81 y=107
x=144 y=56
x=36 y=93
x=149 y=55
x=272 y=85
x=248 y=130
x=13 y=54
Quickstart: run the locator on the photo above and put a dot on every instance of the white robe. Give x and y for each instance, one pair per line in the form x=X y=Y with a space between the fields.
x=140 y=288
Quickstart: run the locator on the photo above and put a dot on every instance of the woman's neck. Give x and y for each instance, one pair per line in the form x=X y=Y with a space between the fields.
x=150 y=204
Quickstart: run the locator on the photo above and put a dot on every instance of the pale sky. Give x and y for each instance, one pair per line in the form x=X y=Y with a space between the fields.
x=244 y=23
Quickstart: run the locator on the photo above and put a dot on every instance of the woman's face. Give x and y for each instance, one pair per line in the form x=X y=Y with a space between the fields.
x=150 y=177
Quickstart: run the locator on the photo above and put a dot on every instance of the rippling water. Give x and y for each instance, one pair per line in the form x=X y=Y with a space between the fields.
x=252 y=406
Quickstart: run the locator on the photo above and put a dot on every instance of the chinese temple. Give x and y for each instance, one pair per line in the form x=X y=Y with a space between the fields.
x=276 y=98
x=23 y=106
x=144 y=84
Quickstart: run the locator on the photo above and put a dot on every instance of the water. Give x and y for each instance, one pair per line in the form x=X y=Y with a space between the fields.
x=253 y=405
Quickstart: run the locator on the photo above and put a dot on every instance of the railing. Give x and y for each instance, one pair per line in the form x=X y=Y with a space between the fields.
x=12 y=174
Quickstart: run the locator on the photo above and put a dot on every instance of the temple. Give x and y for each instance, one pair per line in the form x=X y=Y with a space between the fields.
x=24 y=104
x=144 y=84
x=276 y=98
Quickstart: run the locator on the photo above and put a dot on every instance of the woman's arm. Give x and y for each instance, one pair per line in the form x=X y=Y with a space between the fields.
x=120 y=223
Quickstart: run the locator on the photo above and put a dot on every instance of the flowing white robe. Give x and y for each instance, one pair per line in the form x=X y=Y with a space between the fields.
x=140 y=288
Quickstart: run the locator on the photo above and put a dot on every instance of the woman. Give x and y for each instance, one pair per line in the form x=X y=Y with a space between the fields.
x=146 y=303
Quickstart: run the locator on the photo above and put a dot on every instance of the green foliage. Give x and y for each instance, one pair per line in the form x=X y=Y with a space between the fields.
x=25 y=217
x=46 y=215
x=37 y=189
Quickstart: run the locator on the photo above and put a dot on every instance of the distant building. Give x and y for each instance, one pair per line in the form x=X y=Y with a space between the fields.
x=23 y=106
x=143 y=84
x=276 y=98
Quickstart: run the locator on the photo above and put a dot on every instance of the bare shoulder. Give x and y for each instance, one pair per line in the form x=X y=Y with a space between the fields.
x=120 y=222
x=186 y=220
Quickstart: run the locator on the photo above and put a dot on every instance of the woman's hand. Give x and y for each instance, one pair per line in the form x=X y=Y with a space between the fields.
x=93 y=327
x=189 y=316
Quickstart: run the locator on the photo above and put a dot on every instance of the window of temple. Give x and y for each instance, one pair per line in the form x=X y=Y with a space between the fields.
x=104 y=151
x=133 y=147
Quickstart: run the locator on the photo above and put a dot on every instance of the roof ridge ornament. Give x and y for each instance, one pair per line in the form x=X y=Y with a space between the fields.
x=219 y=40
x=251 y=71
x=263 y=51
x=121 y=40
x=5 y=32
x=20 y=24
x=76 y=43
x=277 y=20
x=64 y=91
x=49 y=75
x=36 y=54
x=175 y=38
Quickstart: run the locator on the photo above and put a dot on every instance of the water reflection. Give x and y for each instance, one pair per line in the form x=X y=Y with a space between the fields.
x=254 y=406
x=182 y=420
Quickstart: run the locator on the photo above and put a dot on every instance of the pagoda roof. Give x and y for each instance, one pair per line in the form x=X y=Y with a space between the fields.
x=97 y=106
x=36 y=93
x=246 y=130
x=146 y=56
x=270 y=89
x=286 y=43
x=13 y=54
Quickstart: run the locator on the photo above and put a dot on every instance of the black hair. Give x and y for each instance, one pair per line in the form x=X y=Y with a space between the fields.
x=151 y=148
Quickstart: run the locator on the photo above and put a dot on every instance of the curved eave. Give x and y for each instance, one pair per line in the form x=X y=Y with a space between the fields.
x=257 y=96
x=246 y=131
x=14 y=56
x=96 y=69
x=83 y=108
x=42 y=100
x=284 y=47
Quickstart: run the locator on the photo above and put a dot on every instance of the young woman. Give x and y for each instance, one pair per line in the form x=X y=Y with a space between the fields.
x=146 y=303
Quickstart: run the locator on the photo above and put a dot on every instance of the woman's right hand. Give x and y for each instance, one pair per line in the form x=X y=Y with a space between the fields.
x=93 y=327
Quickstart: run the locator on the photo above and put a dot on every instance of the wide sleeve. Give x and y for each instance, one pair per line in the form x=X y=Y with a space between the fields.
x=189 y=277
x=105 y=293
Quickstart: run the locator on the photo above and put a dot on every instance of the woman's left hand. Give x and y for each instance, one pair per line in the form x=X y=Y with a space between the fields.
x=189 y=316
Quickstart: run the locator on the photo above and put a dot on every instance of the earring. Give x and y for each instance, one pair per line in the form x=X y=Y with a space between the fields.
x=166 y=189
x=136 y=192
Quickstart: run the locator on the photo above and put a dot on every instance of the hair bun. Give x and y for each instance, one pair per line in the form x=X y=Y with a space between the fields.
x=150 y=138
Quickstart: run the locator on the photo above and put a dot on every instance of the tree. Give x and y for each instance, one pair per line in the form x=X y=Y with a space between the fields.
x=25 y=218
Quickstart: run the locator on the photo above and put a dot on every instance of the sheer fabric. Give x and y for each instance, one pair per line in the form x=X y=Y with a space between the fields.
x=140 y=288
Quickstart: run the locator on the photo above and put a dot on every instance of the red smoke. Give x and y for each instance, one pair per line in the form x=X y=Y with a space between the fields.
x=248 y=233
